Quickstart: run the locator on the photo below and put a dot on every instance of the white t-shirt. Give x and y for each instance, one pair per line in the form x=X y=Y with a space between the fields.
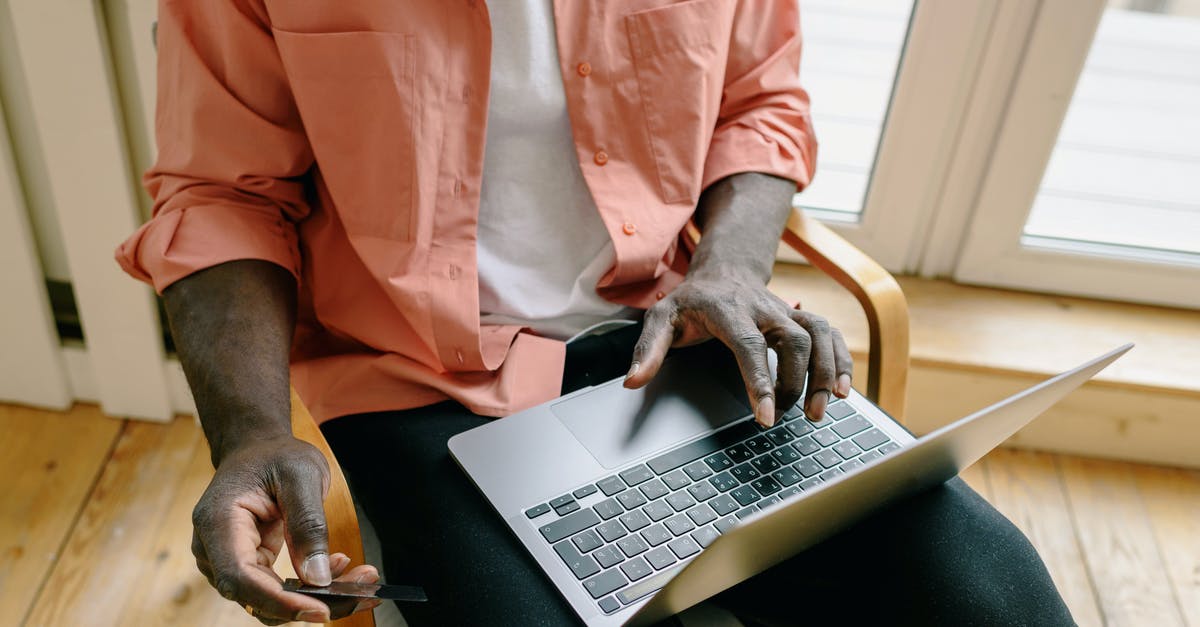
x=541 y=244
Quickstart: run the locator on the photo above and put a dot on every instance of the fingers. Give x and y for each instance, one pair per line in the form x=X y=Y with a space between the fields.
x=301 y=495
x=658 y=332
x=845 y=365
x=792 y=345
x=363 y=573
x=226 y=547
x=749 y=348
x=822 y=365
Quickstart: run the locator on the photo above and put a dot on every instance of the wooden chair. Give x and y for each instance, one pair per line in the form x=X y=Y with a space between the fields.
x=887 y=363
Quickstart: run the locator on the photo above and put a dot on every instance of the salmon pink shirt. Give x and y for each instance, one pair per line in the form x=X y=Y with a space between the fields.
x=344 y=141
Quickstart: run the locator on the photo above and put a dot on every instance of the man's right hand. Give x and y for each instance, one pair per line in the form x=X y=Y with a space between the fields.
x=263 y=494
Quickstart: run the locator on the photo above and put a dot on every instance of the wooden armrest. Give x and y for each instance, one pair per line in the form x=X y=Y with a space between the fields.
x=880 y=297
x=340 y=517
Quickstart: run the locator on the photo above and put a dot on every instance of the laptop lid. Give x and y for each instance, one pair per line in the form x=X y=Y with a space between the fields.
x=780 y=531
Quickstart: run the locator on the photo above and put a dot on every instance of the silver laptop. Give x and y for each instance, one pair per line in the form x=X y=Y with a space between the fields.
x=641 y=503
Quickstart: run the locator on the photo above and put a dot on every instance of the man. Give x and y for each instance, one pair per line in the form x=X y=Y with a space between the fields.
x=415 y=204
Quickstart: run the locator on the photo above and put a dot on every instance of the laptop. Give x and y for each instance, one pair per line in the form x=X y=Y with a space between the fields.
x=639 y=504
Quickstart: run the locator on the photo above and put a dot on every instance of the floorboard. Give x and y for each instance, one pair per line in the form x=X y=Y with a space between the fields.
x=50 y=462
x=1172 y=499
x=1027 y=488
x=1118 y=544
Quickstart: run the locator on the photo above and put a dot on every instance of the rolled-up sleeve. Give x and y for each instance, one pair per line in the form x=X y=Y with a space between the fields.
x=230 y=179
x=764 y=123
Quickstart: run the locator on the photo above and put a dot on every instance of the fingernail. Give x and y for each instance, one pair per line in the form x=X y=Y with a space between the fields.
x=369 y=604
x=315 y=570
x=843 y=385
x=765 y=413
x=633 y=368
x=313 y=616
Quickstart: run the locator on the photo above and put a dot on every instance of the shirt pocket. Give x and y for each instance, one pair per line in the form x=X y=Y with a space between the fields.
x=679 y=54
x=355 y=92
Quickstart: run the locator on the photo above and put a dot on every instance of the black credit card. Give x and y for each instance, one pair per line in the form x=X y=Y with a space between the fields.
x=347 y=590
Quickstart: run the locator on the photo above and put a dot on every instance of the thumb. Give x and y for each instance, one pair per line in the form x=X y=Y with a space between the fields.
x=658 y=333
x=301 y=501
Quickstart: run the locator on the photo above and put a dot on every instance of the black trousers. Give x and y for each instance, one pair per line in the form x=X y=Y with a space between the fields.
x=944 y=557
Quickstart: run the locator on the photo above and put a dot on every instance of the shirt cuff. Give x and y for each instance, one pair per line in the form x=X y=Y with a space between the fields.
x=736 y=149
x=178 y=243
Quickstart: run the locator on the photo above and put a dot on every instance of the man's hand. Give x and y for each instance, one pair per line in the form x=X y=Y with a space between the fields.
x=262 y=495
x=749 y=319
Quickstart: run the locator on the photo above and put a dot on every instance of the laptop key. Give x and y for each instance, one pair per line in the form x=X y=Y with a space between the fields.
x=637 y=474
x=851 y=426
x=701 y=514
x=661 y=558
x=611 y=530
x=698 y=470
x=632 y=499
x=608 y=508
x=658 y=510
x=610 y=485
x=766 y=486
x=701 y=448
x=562 y=500
x=655 y=535
x=850 y=465
x=635 y=520
x=705 y=536
x=587 y=541
x=604 y=583
x=769 y=501
x=793 y=491
x=809 y=484
x=719 y=461
x=676 y=480
x=799 y=427
x=725 y=524
x=537 y=510
x=723 y=505
x=888 y=448
x=787 y=476
x=633 y=545
x=680 y=524
x=684 y=547
x=759 y=444
x=806 y=445
x=640 y=590
x=847 y=450
x=826 y=438
x=870 y=456
x=581 y=565
x=680 y=501
x=636 y=569
x=746 y=512
x=739 y=453
x=566 y=508
x=702 y=491
x=745 y=473
x=839 y=410
x=871 y=439
x=794 y=412
x=785 y=455
x=807 y=467
x=832 y=473
x=608 y=605
x=586 y=490
x=723 y=481
x=654 y=489
x=569 y=525
x=780 y=436
x=765 y=464
x=745 y=495
x=828 y=458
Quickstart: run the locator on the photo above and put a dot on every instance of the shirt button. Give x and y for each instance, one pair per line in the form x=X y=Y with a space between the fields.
x=660 y=295
x=628 y=228
x=584 y=68
x=601 y=157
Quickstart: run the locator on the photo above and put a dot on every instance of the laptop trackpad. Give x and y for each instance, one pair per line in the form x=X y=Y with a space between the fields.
x=617 y=425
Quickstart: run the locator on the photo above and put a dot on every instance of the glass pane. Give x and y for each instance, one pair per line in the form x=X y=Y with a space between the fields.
x=1123 y=177
x=851 y=54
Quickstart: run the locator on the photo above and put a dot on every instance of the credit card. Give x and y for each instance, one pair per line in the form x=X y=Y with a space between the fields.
x=348 y=590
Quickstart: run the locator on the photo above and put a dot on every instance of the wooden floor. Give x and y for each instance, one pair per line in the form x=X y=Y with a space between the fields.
x=94 y=526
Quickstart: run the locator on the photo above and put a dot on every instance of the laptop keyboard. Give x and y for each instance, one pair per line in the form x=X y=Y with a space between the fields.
x=655 y=516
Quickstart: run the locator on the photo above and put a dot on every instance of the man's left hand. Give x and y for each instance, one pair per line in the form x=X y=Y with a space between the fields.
x=745 y=316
